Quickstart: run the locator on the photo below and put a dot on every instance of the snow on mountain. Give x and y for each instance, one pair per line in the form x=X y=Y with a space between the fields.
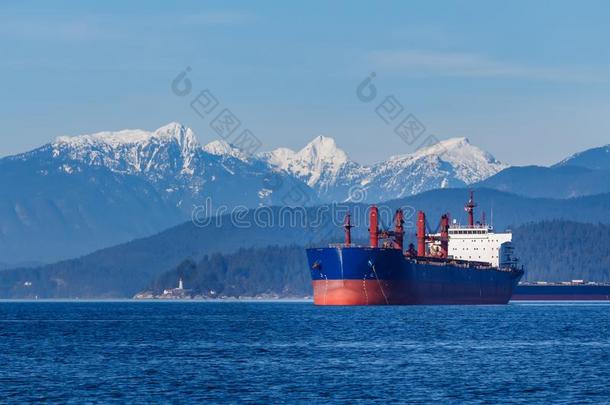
x=172 y=147
x=326 y=168
x=185 y=173
x=319 y=163
x=172 y=159
x=467 y=163
x=223 y=148
x=322 y=165
x=321 y=157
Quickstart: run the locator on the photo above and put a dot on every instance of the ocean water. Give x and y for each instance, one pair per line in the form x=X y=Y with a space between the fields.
x=270 y=352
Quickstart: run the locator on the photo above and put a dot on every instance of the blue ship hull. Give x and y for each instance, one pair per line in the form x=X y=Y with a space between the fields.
x=379 y=276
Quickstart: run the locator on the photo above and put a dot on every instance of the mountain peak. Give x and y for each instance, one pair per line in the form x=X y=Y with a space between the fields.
x=323 y=149
x=171 y=132
x=319 y=161
x=134 y=150
x=594 y=158
x=174 y=130
x=455 y=142
x=223 y=148
x=324 y=142
x=470 y=163
x=445 y=146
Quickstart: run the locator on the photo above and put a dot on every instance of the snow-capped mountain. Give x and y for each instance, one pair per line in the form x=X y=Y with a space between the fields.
x=320 y=159
x=170 y=149
x=322 y=165
x=186 y=173
x=326 y=168
x=223 y=148
x=469 y=163
x=81 y=193
x=453 y=162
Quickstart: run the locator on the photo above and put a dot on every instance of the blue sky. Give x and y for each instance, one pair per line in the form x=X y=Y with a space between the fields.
x=527 y=81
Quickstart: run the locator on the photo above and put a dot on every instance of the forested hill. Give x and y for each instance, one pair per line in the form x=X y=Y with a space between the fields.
x=564 y=250
x=550 y=251
x=274 y=270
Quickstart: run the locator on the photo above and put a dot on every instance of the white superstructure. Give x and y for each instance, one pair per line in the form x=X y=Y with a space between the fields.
x=479 y=243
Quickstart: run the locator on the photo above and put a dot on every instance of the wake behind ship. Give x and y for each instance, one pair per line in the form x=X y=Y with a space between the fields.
x=346 y=274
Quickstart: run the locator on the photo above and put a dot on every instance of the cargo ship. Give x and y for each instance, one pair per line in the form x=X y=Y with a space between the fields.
x=575 y=290
x=458 y=265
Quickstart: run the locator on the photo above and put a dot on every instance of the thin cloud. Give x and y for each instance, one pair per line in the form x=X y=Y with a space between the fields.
x=74 y=28
x=459 y=64
x=219 y=18
x=87 y=27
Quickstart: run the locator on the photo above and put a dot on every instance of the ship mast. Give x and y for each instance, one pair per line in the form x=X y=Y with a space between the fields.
x=469 y=208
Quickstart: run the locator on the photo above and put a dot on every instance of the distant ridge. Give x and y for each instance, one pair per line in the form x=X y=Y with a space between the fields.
x=125 y=269
x=584 y=173
x=595 y=159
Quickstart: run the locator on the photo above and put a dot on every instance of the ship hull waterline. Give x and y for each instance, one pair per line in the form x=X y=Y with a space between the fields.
x=375 y=276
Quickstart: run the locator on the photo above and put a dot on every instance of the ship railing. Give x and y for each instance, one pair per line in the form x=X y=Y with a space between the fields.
x=566 y=283
x=343 y=245
x=464 y=264
x=458 y=263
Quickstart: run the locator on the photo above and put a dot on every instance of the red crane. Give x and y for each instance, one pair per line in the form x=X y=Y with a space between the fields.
x=374 y=226
x=347 y=225
x=421 y=234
